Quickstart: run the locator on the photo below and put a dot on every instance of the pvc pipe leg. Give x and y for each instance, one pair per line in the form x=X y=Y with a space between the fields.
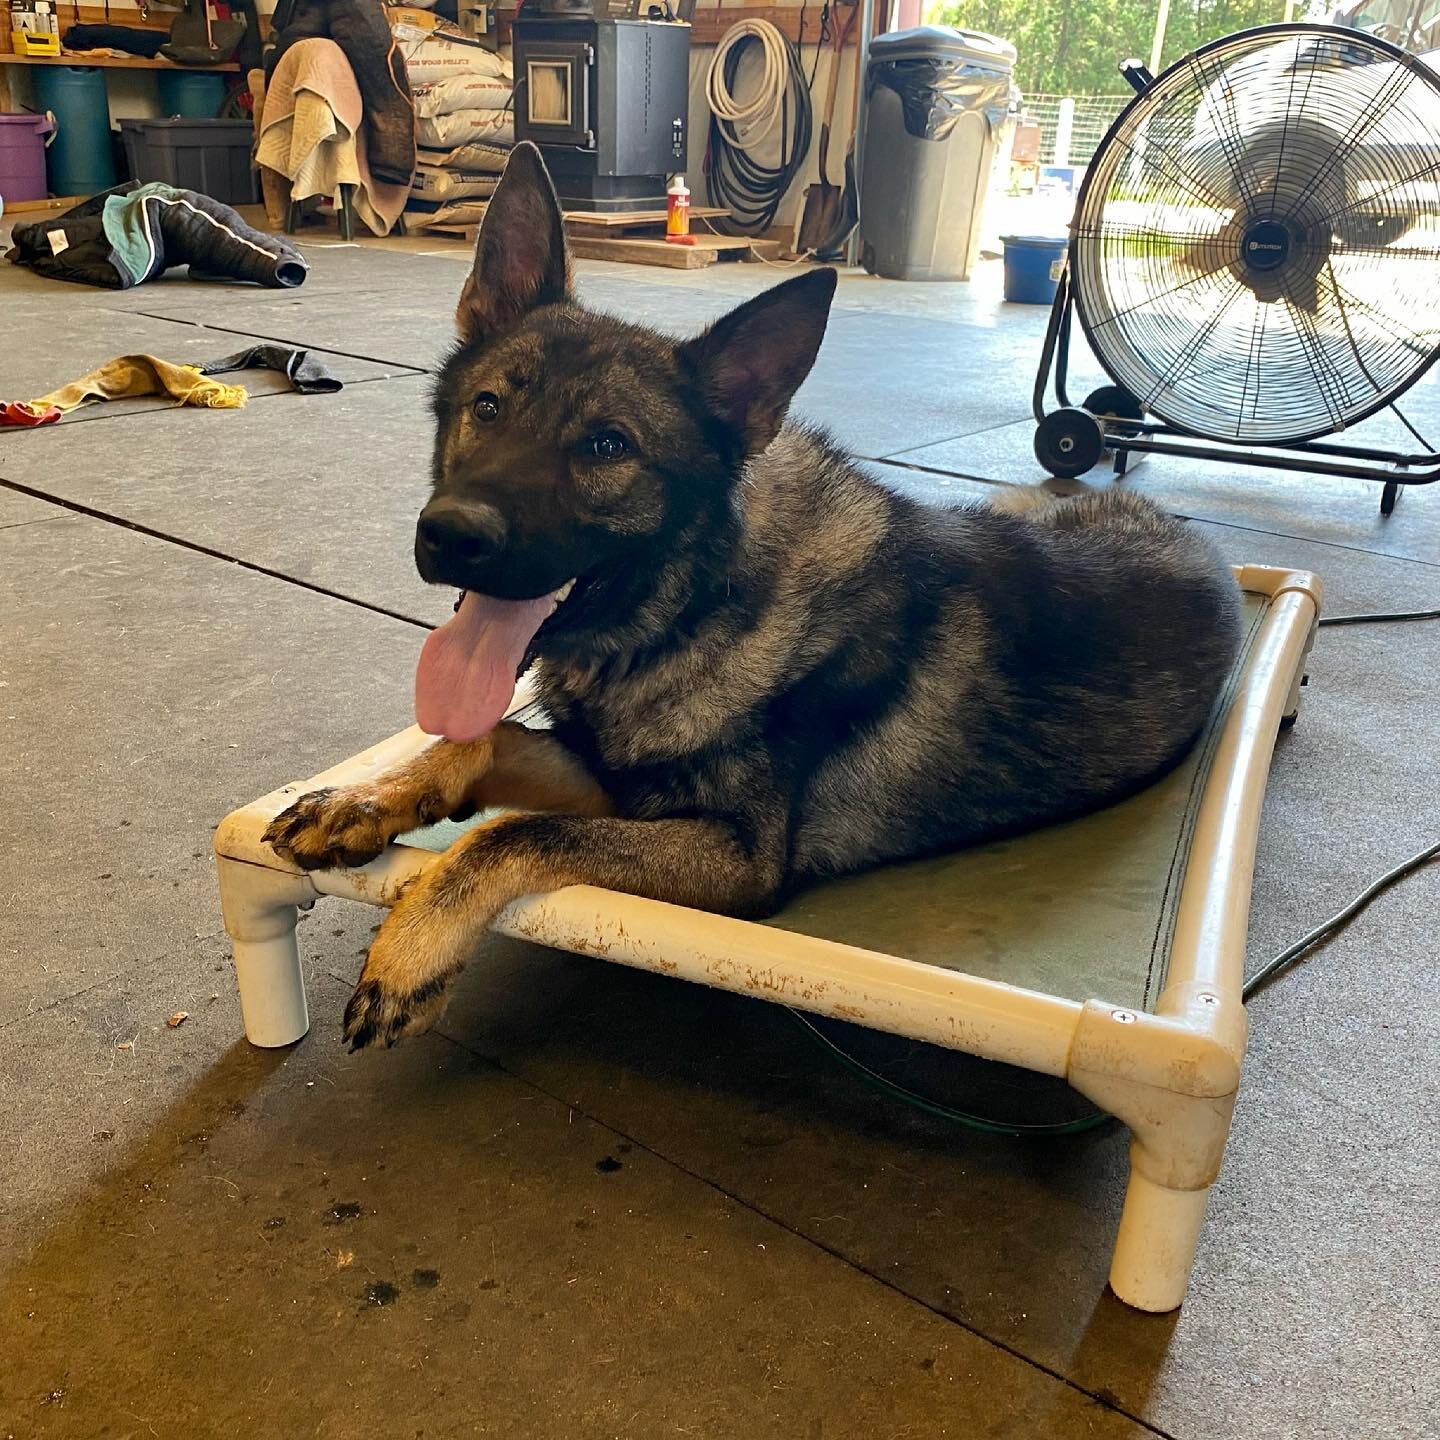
x=1154 y=1252
x=260 y=908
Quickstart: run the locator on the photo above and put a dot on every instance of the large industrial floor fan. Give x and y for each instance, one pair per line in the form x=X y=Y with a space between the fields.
x=1255 y=261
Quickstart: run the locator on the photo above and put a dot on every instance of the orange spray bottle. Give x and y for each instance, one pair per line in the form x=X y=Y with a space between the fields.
x=677 y=213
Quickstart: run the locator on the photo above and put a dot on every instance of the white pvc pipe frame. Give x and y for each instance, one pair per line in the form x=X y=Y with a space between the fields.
x=1171 y=1075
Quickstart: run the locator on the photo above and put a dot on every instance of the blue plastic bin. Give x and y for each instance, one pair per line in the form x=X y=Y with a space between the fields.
x=190 y=96
x=1032 y=267
x=82 y=159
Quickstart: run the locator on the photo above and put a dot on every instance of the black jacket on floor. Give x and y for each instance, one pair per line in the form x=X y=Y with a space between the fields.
x=361 y=30
x=163 y=226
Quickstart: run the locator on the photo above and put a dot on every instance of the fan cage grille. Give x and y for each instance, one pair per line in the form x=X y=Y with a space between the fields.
x=1329 y=138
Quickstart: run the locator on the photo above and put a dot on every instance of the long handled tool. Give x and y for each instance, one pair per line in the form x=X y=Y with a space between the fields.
x=830 y=211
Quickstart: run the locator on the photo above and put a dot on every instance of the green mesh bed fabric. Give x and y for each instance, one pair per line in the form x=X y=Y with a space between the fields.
x=1081 y=910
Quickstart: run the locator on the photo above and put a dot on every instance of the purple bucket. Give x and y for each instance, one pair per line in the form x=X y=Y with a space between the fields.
x=22 y=156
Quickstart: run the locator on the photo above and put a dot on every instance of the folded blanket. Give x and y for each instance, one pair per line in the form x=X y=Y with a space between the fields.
x=360 y=29
x=311 y=134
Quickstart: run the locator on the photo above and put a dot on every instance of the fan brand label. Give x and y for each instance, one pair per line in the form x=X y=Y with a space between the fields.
x=1266 y=245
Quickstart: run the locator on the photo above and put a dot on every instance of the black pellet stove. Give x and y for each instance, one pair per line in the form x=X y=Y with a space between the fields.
x=603 y=88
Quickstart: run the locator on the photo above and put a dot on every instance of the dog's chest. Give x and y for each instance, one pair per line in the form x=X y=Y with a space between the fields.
x=650 y=753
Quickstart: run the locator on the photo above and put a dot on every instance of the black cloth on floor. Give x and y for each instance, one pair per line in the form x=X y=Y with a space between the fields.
x=129 y=38
x=361 y=29
x=150 y=228
x=307 y=375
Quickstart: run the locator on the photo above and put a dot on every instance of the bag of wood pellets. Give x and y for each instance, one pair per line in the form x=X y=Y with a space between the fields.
x=473 y=91
x=465 y=127
x=433 y=183
x=438 y=54
x=483 y=157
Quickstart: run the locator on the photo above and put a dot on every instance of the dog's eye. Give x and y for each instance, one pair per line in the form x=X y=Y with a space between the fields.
x=608 y=445
x=485 y=407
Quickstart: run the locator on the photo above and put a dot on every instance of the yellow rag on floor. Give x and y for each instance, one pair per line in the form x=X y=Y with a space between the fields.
x=129 y=375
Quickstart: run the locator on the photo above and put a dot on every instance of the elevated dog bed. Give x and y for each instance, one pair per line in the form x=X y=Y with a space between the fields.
x=1108 y=951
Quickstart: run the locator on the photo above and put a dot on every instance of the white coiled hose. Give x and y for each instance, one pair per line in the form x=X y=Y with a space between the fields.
x=757 y=117
x=751 y=188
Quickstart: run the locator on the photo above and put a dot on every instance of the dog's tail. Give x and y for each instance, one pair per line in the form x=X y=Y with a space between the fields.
x=1023 y=500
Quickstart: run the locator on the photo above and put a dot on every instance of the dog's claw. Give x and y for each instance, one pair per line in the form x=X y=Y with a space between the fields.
x=328 y=829
x=374 y=1014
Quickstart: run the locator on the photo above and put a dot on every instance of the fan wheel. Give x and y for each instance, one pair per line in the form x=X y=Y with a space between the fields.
x=1117 y=410
x=1069 y=442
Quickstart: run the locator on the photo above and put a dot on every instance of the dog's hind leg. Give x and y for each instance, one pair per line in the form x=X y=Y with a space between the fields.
x=438 y=921
x=527 y=769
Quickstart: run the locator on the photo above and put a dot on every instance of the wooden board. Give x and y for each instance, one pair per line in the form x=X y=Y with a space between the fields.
x=706 y=250
x=114 y=62
x=587 y=222
x=711 y=21
x=37 y=207
x=634 y=219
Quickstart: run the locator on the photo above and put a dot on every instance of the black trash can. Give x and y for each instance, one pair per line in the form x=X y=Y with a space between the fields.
x=936 y=100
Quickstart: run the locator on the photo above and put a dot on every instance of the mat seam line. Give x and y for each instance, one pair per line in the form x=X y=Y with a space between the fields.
x=1179 y=514
x=75 y=507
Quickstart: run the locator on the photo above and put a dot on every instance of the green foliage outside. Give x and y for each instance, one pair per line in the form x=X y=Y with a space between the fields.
x=1071 y=47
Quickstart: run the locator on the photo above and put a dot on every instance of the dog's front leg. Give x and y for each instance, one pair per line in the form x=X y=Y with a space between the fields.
x=438 y=921
x=350 y=825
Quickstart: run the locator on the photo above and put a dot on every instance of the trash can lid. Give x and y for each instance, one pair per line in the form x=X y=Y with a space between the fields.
x=944 y=43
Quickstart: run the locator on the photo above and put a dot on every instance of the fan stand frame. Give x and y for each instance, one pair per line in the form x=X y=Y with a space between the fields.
x=1124 y=438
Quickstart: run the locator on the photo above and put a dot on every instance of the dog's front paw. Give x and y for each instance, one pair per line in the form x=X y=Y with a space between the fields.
x=327 y=829
x=417 y=951
x=378 y=1015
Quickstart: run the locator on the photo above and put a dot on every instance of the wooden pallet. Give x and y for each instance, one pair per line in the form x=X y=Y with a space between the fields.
x=623 y=223
x=655 y=250
x=637 y=238
x=584 y=222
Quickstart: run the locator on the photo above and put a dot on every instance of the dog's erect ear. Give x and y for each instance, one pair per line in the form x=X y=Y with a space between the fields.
x=751 y=363
x=520 y=258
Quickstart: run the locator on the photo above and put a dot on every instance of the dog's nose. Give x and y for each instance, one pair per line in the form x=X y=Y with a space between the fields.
x=458 y=531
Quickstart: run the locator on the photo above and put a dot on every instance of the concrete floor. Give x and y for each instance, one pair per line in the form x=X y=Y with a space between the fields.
x=598 y=1203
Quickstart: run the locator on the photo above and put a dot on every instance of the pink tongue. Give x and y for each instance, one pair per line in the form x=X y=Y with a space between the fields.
x=467 y=669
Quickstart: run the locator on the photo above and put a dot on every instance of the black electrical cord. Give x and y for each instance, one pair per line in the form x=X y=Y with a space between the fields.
x=749 y=189
x=1380 y=619
x=1338 y=920
x=1257 y=982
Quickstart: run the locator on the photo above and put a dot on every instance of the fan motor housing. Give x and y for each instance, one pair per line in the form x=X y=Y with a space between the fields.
x=1266 y=245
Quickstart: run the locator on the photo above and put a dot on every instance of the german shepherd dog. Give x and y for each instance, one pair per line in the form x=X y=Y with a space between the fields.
x=761 y=667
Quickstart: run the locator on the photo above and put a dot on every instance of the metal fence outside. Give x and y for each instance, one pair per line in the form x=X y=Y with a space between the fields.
x=1093 y=115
